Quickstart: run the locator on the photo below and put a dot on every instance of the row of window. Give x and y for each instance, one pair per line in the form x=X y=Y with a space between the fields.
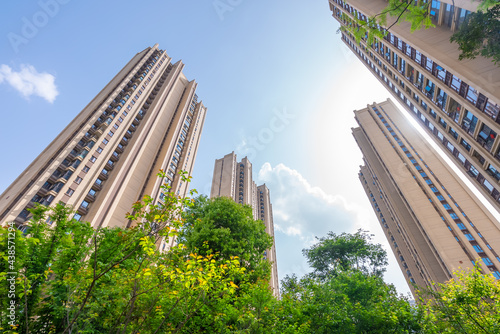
x=434 y=188
x=495 y=193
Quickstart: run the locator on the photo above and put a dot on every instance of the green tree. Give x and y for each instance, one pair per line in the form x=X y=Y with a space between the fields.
x=337 y=253
x=71 y=278
x=470 y=303
x=228 y=229
x=480 y=35
x=349 y=302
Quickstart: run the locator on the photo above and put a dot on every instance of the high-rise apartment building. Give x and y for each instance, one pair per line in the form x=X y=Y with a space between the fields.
x=233 y=179
x=458 y=102
x=146 y=118
x=433 y=222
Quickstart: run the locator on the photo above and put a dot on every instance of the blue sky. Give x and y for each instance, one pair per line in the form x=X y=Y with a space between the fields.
x=279 y=85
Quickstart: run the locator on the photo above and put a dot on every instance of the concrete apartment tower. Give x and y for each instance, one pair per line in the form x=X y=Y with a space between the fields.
x=233 y=179
x=146 y=118
x=458 y=102
x=433 y=222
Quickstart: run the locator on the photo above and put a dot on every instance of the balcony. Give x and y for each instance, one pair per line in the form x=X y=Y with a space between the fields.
x=72 y=155
x=90 y=198
x=103 y=175
x=114 y=157
x=124 y=141
x=97 y=186
x=57 y=174
x=83 y=210
x=119 y=148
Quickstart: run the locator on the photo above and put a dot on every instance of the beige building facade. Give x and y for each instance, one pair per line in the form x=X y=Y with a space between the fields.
x=434 y=224
x=147 y=118
x=233 y=179
x=457 y=102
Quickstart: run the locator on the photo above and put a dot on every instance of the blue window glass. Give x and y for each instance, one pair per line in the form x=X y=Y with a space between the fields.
x=453 y=215
x=429 y=182
x=479 y=234
x=478 y=248
x=405 y=149
x=413 y=161
x=408 y=155
x=489 y=247
x=434 y=189
x=461 y=226
x=418 y=167
x=449 y=228
x=440 y=197
x=456 y=239
x=469 y=237
x=423 y=174
x=487 y=261
x=496 y=274
x=447 y=206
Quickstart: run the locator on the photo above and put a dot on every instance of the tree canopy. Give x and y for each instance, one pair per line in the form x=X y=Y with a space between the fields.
x=222 y=226
x=480 y=35
x=70 y=278
x=337 y=253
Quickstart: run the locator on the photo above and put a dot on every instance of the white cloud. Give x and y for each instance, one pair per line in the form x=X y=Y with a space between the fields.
x=301 y=213
x=28 y=81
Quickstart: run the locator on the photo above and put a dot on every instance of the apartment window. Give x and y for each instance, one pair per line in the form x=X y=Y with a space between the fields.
x=105 y=141
x=85 y=204
x=465 y=144
x=120 y=119
x=442 y=123
x=478 y=248
x=492 y=109
x=469 y=237
x=469 y=122
x=111 y=133
x=93 y=159
x=77 y=216
x=455 y=83
x=486 y=137
x=487 y=261
x=449 y=11
x=116 y=126
x=453 y=133
x=99 y=150
x=493 y=172
x=435 y=7
x=70 y=192
x=78 y=179
x=472 y=95
x=86 y=169
x=462 y=15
